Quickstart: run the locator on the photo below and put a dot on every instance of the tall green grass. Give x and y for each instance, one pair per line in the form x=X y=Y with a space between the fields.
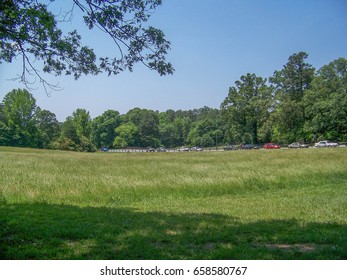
x=286 y=204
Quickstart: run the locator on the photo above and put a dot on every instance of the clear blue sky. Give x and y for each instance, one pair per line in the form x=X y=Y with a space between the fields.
x=213 y=43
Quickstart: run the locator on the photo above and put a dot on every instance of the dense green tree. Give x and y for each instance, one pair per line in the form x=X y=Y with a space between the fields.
x=202 y=133
x=63 y=143
x=74 y=136
x=326 y=103
x=69 y=131
x=48 y=127
x=147 y=123
x=167 y=134
x=5 y=134
x=182 y=127
x=18 y=110
x=126 y=135
x=19 y=107
x=247 y=107
x=30 y=29
x=195 y=127
x=295 y=77
x=289 y=122
x=76 y=132
x=170 y=115
x=103 y=128
x=205 y=113
x=2 y=113
x=290 y=84
x=82 y=122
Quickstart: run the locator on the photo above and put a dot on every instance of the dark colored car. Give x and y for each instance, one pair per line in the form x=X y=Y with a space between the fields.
x=272 y=146
x=249 y=147
x=230 y=148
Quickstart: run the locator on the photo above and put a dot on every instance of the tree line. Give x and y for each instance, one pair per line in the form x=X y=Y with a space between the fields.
x=297 y=103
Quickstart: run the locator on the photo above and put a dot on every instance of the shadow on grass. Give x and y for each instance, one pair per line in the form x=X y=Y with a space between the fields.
x=44 y=231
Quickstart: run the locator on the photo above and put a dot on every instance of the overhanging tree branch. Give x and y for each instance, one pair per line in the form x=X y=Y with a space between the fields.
x=30 y=25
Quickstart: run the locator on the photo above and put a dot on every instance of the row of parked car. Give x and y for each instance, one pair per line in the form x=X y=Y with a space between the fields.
x=183 y=149
x=320 y=144
x=295 y=145
x=252 y=147
x=193 y=149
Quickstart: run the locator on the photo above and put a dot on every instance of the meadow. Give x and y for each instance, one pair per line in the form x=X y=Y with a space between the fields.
x=261 y=204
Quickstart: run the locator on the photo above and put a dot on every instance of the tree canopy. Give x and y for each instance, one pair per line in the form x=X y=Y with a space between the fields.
x=247 y=107
x=30 y=29
x=296 y=104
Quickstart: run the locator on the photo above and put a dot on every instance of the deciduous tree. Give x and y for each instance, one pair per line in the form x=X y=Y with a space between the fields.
x=48 y=126
x=103 y=128
x=290 y=84
x=326 y=103
x=247 y=107
x=19 y=109
x=30 y=29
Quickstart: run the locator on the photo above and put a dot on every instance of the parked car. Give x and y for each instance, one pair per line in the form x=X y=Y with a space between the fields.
x=272 y=146
x=325 y=143
x=248 y=147
x=196 y=149
x=297 y=145
x=183 y=149
x=161 y=149
x=150 y=149
x=230 y=148
x=104 y=149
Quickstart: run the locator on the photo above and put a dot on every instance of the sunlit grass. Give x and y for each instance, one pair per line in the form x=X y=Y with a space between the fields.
x=237 y=204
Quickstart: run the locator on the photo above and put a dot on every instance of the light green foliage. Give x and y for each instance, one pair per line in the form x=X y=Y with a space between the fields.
x=19 y=109
x=82 y=122
x=76 y=132
x=286 y=204
x=126 y=135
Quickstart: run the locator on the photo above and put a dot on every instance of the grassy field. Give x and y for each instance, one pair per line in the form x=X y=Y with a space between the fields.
x=283 y=204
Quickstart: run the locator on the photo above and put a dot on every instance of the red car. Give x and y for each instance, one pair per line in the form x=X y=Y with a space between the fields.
x=272 y=146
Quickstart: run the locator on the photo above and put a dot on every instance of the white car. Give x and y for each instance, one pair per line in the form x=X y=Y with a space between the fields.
x=325 y=143
x=196 y=149
x=183 y=149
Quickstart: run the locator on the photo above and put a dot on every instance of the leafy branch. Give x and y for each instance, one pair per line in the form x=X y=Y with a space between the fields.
x=30 y=30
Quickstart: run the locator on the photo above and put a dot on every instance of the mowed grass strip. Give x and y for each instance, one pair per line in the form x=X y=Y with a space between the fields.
x=286 y=204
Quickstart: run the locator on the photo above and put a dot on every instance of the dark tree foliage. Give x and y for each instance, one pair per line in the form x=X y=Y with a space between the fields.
x=326 y=103
x=247 y=107
x=30 y=30
x=290 y=84
x=295 y=77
